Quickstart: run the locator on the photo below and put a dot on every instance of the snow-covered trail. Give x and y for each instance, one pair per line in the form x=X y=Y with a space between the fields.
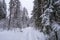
x=27 y=34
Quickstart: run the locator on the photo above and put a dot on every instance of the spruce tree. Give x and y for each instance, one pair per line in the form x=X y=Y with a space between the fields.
x=37 y=12
x=25 y=17
x=14 y=13
x=2 y=9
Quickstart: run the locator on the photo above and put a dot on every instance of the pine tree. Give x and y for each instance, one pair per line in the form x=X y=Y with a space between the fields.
x=25 y=17
x=37 y=12
x=47 y=10
x=47 y=17
x=2 y=9
x=14 y=13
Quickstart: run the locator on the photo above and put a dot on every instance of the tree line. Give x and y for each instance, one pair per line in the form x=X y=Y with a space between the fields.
x=18 y=16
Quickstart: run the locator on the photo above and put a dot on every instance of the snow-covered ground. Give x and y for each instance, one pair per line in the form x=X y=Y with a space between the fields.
x=28 y=34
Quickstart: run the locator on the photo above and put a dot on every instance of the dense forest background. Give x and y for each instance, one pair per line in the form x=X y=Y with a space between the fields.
x=45 y=17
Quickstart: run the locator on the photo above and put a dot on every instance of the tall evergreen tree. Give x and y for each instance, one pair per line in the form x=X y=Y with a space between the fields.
x=37 y=12
x=14 y=12
x=45 y=13
x=25 y=17
x=2 y=9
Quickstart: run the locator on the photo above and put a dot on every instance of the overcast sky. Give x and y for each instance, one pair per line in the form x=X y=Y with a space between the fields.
x=25 y=3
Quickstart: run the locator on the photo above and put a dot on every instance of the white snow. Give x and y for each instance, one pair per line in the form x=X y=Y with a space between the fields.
x=46 y=16
x=55 y=26
x=28 y=34
x=57 y=2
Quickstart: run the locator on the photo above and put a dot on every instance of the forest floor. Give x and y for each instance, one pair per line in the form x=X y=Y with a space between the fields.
x=28 y=33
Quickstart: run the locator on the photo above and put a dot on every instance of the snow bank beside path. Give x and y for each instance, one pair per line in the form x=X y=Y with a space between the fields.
x=27 y=34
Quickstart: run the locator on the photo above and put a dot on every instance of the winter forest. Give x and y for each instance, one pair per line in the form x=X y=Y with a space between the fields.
x=38 y=20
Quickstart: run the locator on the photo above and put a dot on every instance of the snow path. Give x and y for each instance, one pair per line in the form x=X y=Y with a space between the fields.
x=27 y=34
